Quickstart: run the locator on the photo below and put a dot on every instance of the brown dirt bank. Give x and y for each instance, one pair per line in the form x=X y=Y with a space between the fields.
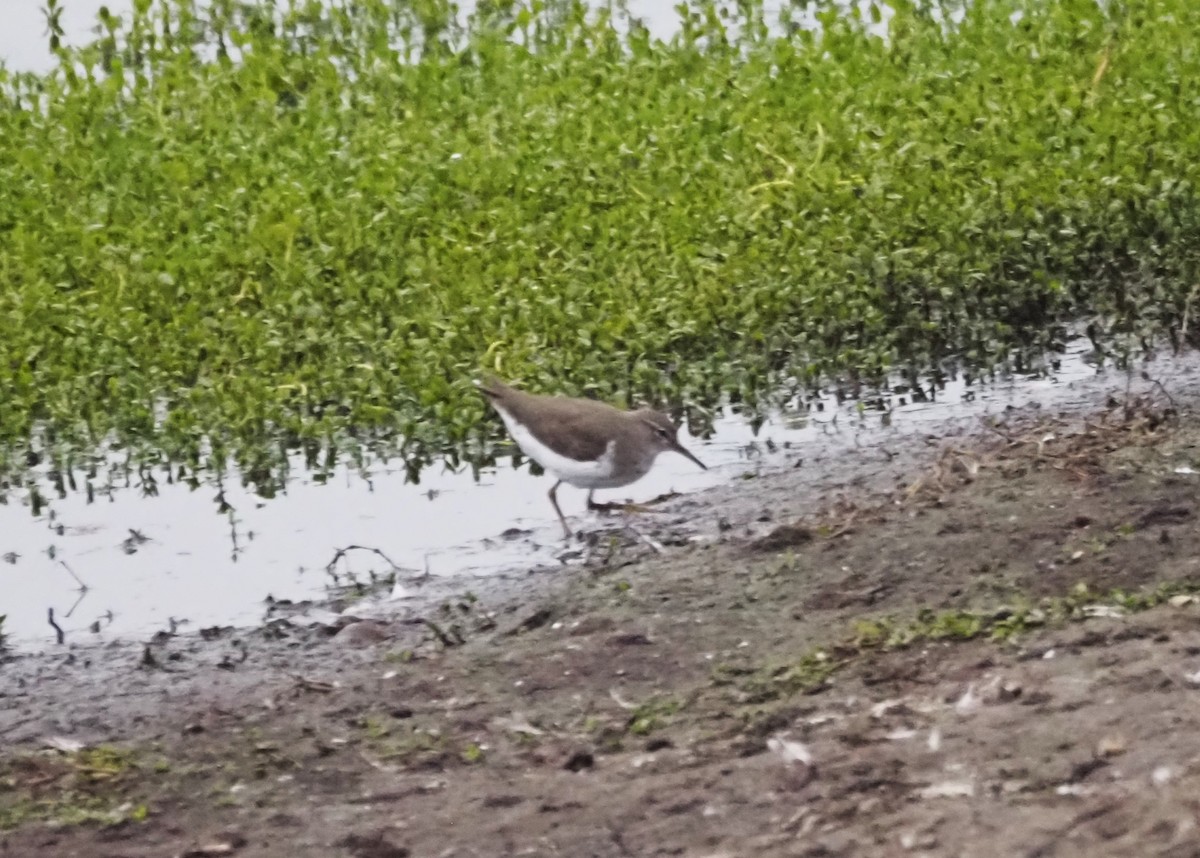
x=935 y=663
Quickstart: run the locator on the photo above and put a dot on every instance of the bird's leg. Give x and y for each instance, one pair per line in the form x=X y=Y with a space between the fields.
x=554 y=500
x=591 y=504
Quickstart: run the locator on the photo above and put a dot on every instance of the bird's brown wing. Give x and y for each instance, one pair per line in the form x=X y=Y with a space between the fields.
x=578 y=428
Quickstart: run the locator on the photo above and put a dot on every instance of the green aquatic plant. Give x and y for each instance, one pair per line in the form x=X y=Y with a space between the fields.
x=652 y=714
x=815 y=670
x=91 y=785
x=237 y=233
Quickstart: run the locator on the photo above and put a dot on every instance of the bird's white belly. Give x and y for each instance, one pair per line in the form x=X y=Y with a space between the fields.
x=598 y=474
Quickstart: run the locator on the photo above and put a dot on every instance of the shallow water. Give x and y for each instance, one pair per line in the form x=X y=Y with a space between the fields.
x=208 y=568
x=148 y=560
x=24 y=45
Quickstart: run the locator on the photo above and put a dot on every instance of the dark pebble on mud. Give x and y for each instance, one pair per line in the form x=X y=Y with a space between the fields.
x=579 y=760
x=784 y=536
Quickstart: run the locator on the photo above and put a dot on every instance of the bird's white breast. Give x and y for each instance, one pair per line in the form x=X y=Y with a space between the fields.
x=597 y=474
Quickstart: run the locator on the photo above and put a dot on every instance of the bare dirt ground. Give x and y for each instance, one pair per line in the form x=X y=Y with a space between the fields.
x=986 y=646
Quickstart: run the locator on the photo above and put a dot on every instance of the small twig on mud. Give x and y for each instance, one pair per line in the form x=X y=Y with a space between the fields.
x=342 y=552
x=846 y=525
x=654 y=545
x=663 y=498
x=1043 y=441
x=83 y=588
x=968 y=463
x=318 y=685
x=1161 y=387
x=620 y=701
x=989 y=425
x=78 y=600
x=446 y=639
x=57 y=628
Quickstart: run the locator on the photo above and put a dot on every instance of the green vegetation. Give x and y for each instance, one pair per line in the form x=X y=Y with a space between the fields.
x=87 y=786
x=811 y=672
x=233 y=232
x=652 y=714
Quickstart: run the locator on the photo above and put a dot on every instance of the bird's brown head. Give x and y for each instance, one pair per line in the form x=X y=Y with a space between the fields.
x=665 y=435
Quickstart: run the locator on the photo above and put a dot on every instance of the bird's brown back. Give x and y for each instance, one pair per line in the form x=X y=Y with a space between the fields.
x=579 y=429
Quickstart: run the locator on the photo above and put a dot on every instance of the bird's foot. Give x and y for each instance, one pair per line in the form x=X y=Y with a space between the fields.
x=632 y=507
x=621 y=507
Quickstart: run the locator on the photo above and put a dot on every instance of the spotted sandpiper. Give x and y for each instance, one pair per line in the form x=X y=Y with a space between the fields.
x=586 y=443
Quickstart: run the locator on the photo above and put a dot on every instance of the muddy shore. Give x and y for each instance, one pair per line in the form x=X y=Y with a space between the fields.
x=983 y=642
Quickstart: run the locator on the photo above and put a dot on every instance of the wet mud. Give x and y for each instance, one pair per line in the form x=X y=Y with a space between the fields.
x=983 y=640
